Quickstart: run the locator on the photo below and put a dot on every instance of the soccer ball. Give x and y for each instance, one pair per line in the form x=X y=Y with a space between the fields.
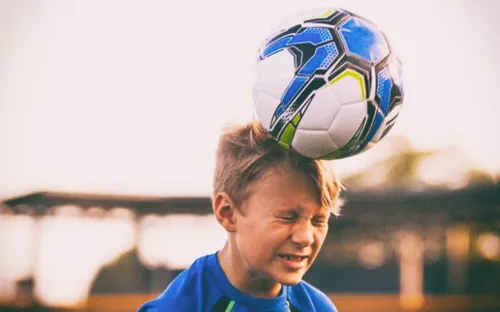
x=328 y=86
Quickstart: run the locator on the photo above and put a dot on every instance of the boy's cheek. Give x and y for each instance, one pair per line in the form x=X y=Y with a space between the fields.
x=322 y=232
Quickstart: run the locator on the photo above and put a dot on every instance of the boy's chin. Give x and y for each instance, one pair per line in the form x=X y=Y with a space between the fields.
x=289 y=279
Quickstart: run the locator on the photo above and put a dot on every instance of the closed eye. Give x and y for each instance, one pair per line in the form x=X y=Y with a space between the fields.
x=320 y=221
x=288 y=218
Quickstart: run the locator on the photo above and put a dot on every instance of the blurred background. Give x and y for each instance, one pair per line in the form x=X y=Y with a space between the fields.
x=109 y=116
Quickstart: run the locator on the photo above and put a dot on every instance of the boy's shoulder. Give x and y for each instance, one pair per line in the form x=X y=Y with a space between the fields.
x=305 y=296
x=190 y=283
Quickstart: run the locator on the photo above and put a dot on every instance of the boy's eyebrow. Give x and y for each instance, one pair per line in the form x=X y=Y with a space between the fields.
x=283 y=210
x=322 y=212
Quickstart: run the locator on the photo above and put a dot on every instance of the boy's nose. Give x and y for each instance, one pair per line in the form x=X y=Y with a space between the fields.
x=303 y=234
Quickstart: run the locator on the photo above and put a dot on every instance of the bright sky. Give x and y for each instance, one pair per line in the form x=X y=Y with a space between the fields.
x=117 y=96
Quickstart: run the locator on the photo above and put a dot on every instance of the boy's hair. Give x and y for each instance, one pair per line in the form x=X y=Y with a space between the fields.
x=246 y=152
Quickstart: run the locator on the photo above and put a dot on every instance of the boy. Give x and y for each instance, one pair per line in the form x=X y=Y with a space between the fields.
x=275 y=207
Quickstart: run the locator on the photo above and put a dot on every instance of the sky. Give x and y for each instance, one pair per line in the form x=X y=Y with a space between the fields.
x=121 y=97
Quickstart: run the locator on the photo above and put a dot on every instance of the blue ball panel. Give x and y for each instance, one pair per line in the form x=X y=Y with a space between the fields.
x=364 y=40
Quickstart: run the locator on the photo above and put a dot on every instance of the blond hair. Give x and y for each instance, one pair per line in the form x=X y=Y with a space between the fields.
x=246 y=152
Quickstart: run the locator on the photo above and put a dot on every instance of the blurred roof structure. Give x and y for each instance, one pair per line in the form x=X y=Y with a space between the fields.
x=475 y=201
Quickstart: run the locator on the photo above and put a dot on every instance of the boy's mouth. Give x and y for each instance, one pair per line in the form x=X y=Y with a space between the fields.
x=293 y=262
x=296 y=258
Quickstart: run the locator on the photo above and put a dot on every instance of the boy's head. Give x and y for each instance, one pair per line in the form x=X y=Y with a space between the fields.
x=274 y=204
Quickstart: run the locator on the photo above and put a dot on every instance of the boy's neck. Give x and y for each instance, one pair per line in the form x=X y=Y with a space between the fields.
x=238 y=275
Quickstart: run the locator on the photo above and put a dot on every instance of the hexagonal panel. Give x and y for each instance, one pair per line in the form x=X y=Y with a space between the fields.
x=349 y=87
x=274 y=74
x=265 y=106
x=321 y=111
x=313 y=143
x=364 y=40
x=346 y=124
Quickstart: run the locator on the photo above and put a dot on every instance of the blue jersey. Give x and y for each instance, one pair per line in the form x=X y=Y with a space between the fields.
x=204 y=287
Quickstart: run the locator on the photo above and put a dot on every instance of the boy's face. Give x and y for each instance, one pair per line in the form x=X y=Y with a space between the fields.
x=280 y=227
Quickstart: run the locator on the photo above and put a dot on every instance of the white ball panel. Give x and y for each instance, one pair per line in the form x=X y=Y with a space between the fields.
x=321 y=111
x=274 y=74
x=265 y=106
x=396 y=72
x=313 y=143
x=347 y=122
x=348 y=90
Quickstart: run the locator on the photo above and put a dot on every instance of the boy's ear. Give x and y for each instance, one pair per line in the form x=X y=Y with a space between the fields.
x=224 y=210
